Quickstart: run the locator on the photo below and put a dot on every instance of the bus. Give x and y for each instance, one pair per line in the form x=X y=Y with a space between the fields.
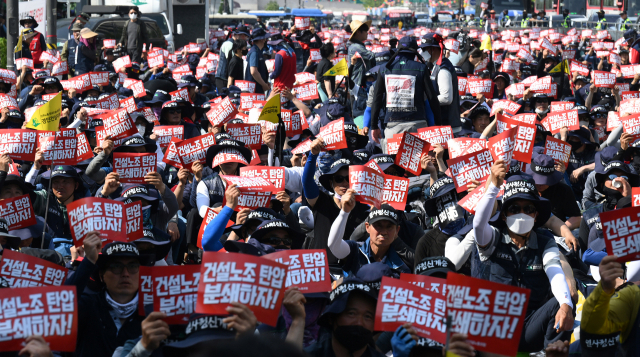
x=219 y=20
x=587 y=7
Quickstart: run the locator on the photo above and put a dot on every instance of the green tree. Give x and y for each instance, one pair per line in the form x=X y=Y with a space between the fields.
x=221 y=8
x=372 y=3
x=272 y=6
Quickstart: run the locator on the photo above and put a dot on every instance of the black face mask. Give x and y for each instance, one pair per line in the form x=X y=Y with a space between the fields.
x=612 y=197
x=353 y=338
x=575 y=145
x=244 y=52
x=352 y=142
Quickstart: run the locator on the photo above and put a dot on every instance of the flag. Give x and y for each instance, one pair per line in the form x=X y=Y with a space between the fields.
x=340 y=69
x=486 y=43
x=561 y=67
x=47 y=116
x=271 y=110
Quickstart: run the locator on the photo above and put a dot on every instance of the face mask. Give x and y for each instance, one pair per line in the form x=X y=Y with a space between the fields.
x=133 y=16
x=584 y=123
x=146 y=217
x=352 y=141
x=244 y=52
x=575 y=145
x=541 y=111
x=426 y=55
x=612 y=197
x=353 y=338
x=157 y=111
x=141 y=128
x=520 y=223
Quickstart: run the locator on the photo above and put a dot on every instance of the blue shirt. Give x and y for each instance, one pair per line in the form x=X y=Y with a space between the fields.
x=255 y=59
x=361 y=254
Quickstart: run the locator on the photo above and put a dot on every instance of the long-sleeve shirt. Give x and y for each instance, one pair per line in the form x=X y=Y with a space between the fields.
x=604 y=313
x=444 y=86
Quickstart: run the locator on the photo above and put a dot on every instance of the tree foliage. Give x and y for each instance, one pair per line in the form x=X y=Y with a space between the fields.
x=272 y=6
x=372 y=3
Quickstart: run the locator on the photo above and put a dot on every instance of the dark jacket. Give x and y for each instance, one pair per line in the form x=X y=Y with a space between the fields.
x=142 y=35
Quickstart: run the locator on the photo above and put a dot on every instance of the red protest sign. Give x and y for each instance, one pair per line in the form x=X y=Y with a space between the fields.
x=129 y=104
x=302 y=23
x=436 y=135
x=122 y=62
x=333 y=135
x=246 y=86
x=410 y=152
x=559 y=150
x=182 y=93
x=307 y=269
x=458 y=146
x=541 y=85
x=136 y=86
x=164 y=134
x=175 y=291
x=306 y=77
x=59 y=149
x=23 y=270
x=525 y=136
x=506 y=105
x=99 y=78
x=49 y=311
x=560 y=106
x=133 y=214
x=470 y=201
x=109 y=102
x=396 y=191
x=502 y=145
x=8 y=76
x=273 y=174
x=132 y=167
x=222 y=112
x=156 y=61
x=20 y=144
x=249 y=134
x=7 y=101
x=368 y=183
x=97 y=214
x=228 y=155
x=475 y=166
x=462 y=85
x=171 y=156
x=83 y=150
x=629 y=106
x=118 y=124
x=499 y=309
x=619 y=228
x=629 y=95
x=18 y=212
x=208 y=217
x=604 y=79
x=452 y=45
x=306 y=91
x=294 y=123
x=631 y=124
x=247 y=99
x=400 y=302
x=635 y=196
x=630 y=70
x=303 y=147
x=260 y=280
x=554 y=122
x=480 y=86
x=195 y=149
x=393 y=144
x=516 y=90
x=525 y=55
x=255 y=192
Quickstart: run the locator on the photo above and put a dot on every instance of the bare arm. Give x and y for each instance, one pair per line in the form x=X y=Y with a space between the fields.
x=257 y=77
x=327 y=87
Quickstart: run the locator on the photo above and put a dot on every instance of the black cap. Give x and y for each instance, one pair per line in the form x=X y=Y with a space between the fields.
x=384 y=213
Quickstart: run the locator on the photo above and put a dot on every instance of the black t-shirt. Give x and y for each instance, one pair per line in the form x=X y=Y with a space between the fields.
x=325 y=211
x=236 y=68
x=431 y=244
x=322 y=68
x=563 y=202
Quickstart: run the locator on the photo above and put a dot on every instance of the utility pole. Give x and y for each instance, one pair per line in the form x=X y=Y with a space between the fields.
x=13 y=27
x=52 y=18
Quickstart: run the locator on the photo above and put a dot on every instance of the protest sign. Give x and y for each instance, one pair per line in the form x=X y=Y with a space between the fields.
x=333 y=135
x=99 y=78
x=227 y=155
x=136 y=86
x=164 y=133
x=516 y=90
x=402 y=302
x=603 y=79
x=129 y=104
x=436 y=135
x=83 y=149
x=630 y=70
x=490 y=314
x=182 y=93
x=524 y=138
x=132 y=167
x=24 y=62
x=59 y=149
x=255 y=192
x=480 y=86
x=247 y=99
x=260 y=281
x=452 y=45
x=502 y=145
x=133 y=215
x=400 y=90
x=393 y=144
x=222 y=112
x=97 y=214
x=307 y=269
x=462 y=85
x=629 y=95
x=620 y=228
x=18 y=212
x=568 y=54
x=303 y=147
x=273 y=174
x=458 y=146
x=470 y=201
x=24 y=270
x=474 y=166
x=631 y=124
x=246 y=86
x=368 y=183
x=122 y=62
x=60 y=68
x=302 y=23
x=554 y=122
x=306 y=91
x=396 y=191
x=8 y=101
x=635 y=196
x=541 y=85
x=171 y=156
x=48 y=311
x=175 y=291
x=506 y=105
x=156 y=61
x=294 y=123
x=629 y=106
x=118 y=124
x=560 y=106
x=305 y=77
x=195 y=149
x=410 y=153
x=250 y=134
x=559 y=150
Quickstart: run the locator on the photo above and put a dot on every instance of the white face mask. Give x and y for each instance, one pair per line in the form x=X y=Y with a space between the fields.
x=141 y=128
x=541 y=111
x=133 y=16
x=426 y=55
x=520 y=223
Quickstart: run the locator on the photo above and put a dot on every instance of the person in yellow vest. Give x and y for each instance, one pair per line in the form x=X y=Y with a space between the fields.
x=626 y=22
x=566 y=23
x=525 y=19
x=602 y=21
x=399 y=25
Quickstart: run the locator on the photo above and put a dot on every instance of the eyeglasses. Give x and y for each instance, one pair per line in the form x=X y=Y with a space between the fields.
x=118 y=268
x=339 y=179
x=528 y=209
x=174 y=111
x=50 y=87
x=275 y=240
x=613 y=177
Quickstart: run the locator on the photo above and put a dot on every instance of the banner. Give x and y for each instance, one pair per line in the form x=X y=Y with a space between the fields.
x=23 y=270
x=59 y=149
x=307 y=269
x=49 y=311
x=118 y=124
x=480 y=86
x=475 y=166
x=133 y=215
x=249 y=134
x=490 y=314
x=554 y=122
x=396 y=191
x=436 y=135
x=164 y=134
x=253 y=281
x=273 y=174
x=401 y=302
x=306 y=91
x=333 y=135
x=410 y=152
x=132 y=167
x=368 y=183
x=174 y=291
x=18 y=212
x=255 y=192
x=97 y=214
x=195 y=149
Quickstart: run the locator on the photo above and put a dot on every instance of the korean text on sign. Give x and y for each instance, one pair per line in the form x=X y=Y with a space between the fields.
x=23 y=270
x=308 y=269
x=621 y=229
x=175 y=291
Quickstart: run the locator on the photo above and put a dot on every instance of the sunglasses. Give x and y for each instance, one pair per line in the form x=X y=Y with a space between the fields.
x=339 y=179
x=50 y=87
x=613 y=177
x=597 y=116
x=528 y=209
x=274 y=240
x=118 y=268
x=174 y=111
